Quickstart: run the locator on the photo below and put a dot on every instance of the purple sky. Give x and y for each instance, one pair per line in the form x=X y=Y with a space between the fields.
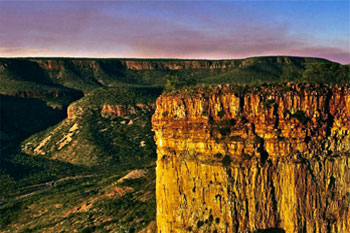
x=195 y=29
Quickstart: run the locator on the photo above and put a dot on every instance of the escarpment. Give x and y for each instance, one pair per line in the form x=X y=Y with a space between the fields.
x=113 y=65
x=254 y=159
x=131 y=64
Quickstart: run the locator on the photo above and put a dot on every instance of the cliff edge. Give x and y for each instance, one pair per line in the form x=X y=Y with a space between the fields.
x=271 y=158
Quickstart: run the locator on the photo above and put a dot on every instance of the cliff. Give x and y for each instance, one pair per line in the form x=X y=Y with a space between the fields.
x=254 y=159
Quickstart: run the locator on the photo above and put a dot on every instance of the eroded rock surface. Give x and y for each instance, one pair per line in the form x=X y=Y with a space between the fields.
x=249 y=159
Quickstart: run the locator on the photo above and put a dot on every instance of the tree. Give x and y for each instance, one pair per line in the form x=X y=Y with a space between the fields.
x=173 y=82
x=327 y=73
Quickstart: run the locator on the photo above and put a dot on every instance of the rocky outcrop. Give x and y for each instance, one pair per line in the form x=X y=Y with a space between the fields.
x=120 y=110
x=179 y=64
x=75 y=110
x=110 y=110
x=254 y=159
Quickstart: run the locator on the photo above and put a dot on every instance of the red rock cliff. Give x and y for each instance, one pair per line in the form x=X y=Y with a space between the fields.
x=238 y=159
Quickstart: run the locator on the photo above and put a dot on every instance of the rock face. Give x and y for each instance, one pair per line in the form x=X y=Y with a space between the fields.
x=257 y=159
x=179 y=64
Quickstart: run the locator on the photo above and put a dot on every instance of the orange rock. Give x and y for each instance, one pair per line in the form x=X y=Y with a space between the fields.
x=266 y=157
x=117 y=110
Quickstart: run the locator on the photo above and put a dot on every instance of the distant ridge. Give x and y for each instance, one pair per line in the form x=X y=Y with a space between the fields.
x=317 y=59
x=85 y=74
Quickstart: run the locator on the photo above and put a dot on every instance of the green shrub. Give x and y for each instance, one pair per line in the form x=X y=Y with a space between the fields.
x=268 y=103
x=236 y=138
x=226 y=161
x=224 y=131
x=173 y=82
x=165 y=114
x=200 y=224
x=246 y=156
x=221 y=113
x=300 y=116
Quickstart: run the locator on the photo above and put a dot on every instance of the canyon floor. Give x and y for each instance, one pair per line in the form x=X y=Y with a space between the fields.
x=78 y=152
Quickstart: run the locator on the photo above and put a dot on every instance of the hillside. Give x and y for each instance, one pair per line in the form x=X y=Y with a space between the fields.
x=65 y=178
x=71 y=128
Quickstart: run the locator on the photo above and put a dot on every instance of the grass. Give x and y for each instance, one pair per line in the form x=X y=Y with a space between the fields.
x=62 y=206
x=120 y=95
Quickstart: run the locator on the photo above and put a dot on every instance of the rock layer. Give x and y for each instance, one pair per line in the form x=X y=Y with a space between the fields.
x=254 y=159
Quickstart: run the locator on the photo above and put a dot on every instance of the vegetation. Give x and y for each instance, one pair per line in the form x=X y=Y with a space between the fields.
x=120 y=95
x=54 y=185
x=59 y=174
x=88 y=74
x=326 y=73
x=226 y=161
x=84 y=202
x=300 y=116
x=173 y=82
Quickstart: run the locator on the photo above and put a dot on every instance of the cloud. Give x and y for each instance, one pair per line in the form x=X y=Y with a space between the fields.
x=20 y=51
x=84 y=31
x=245 y=42
x=331 y=53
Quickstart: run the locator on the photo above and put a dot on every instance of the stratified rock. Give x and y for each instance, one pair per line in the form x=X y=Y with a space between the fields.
x=244 y=159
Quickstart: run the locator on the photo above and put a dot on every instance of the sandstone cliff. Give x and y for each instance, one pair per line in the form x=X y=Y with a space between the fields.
x=239 y=159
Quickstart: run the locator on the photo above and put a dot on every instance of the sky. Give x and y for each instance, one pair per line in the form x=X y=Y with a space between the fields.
x=175 y=29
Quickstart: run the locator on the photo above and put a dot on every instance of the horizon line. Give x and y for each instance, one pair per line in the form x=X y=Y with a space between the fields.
x=170 y=58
